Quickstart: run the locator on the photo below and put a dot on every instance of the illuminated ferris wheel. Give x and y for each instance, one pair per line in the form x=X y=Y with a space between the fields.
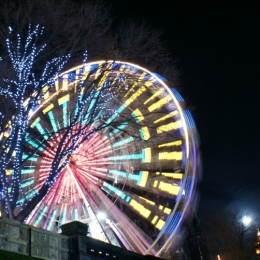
x=118 y=151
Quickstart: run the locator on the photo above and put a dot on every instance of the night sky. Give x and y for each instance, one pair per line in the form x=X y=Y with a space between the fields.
x=216 y=46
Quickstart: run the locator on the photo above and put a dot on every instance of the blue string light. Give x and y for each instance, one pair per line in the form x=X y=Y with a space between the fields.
x=25 y=92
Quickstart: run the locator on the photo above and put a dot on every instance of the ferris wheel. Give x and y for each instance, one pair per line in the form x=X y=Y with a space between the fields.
x=117 y=150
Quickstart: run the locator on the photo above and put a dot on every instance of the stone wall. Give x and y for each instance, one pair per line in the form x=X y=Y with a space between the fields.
x=28 y=240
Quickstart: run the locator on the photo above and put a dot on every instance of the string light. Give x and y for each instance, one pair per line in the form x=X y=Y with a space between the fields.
x=23 y=54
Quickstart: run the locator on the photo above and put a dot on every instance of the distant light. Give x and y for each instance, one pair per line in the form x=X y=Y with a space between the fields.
x=101 y=215
x=246 y=220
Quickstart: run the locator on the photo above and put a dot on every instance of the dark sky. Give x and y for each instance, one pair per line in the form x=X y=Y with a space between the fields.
x=217 y=48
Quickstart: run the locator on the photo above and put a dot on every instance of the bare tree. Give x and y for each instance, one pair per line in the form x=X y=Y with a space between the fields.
x=73 y=26
x=70 y=26
x=138 y=42
x=229 y=237
x=15 y=114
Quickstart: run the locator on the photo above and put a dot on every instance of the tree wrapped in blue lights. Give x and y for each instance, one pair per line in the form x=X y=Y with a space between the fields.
x=21 y=93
